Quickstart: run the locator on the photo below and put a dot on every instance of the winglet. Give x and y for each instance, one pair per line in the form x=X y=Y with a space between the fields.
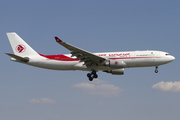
x=58 y=40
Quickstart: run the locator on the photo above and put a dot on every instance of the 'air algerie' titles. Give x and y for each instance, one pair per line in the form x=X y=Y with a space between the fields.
x=116 y=54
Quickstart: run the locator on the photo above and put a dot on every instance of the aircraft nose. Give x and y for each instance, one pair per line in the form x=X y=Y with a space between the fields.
x=172 y=58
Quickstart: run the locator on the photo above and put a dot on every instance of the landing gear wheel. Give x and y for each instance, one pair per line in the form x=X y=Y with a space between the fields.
x=88 y=75
x=95 y=76
x=93 y=72
x=156 y=70
x=92 y=75
x=90 y=79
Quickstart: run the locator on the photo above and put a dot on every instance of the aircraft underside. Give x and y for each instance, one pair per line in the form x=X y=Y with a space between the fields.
x=59 y=65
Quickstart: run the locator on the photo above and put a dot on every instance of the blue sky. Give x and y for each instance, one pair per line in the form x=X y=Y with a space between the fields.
x=97 y=26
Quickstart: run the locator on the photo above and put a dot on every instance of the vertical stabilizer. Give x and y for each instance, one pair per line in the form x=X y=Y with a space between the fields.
x=19 y=46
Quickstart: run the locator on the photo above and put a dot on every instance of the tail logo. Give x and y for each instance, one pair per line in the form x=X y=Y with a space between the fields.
x=20 y=48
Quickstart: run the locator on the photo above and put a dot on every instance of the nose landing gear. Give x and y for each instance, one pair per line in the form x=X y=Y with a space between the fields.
x=92 y=75
x=156 y=70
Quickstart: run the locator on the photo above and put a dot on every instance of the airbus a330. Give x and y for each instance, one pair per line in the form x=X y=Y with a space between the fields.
x=79 y=59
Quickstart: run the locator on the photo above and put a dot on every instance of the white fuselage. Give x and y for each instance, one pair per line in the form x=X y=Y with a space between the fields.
x=79 y=59
x=130 y=59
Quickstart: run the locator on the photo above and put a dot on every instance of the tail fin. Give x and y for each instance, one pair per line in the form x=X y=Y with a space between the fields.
x=19 y=46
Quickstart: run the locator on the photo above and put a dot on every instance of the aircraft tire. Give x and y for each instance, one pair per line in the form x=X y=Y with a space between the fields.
x=88 y=75
x=93 y=72
x=90 y=79
x=95 y=76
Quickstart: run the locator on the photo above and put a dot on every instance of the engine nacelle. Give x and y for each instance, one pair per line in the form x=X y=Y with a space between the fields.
x=116 y=64
x=115 y=72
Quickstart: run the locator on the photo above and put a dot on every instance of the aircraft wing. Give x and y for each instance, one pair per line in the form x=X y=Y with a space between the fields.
x=81 y=54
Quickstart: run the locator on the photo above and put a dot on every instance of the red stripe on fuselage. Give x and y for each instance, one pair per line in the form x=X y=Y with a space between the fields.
x=132 y=57
x=60 y=57
x=66 y=58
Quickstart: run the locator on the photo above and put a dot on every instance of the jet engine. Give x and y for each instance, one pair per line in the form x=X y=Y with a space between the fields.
x=115 y=64
x=115 y=72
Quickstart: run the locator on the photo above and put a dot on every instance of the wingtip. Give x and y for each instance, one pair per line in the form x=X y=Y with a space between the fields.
x=58 y=40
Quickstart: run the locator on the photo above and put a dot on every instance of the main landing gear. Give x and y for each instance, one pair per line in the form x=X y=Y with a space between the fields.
x=92 y=75
x=156 y=70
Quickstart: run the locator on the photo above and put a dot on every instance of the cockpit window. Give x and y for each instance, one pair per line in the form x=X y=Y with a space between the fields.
x=167 y=54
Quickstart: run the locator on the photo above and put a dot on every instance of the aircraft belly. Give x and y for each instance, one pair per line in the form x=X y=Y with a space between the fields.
x=145 y=62
x=53 y=64
x=76 y=65
x=142 y=62
x=130 y=62
x=80 y=66
x=60 y=65
x=161 y=61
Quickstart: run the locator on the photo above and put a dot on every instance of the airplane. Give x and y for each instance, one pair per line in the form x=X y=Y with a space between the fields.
x=79 y=59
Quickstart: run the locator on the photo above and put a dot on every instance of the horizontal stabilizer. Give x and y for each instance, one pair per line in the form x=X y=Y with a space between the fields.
x=26 y=59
